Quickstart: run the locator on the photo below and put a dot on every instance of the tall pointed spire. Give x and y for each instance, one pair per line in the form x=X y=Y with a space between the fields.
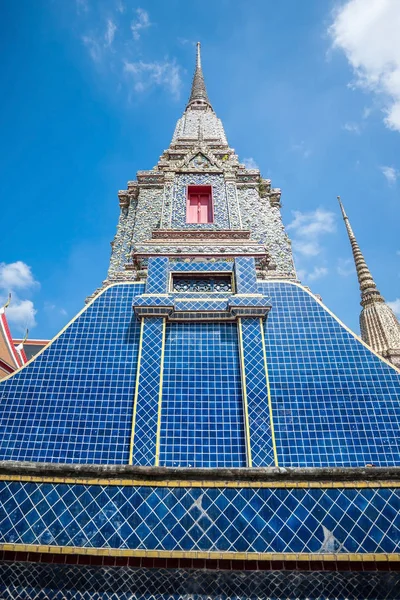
x=379 y=327
x=368 y=288
x=198 y=94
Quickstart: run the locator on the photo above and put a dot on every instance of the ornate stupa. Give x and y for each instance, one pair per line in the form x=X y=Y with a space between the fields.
x=205 y=427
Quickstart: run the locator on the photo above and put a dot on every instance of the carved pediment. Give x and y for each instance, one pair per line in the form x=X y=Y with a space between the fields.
x=200 y=162
x=200 y=159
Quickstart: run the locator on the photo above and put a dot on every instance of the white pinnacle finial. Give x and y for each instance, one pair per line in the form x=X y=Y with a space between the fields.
x=198 y=94
x=341 y=207
x=198 y=58
x=345 y=218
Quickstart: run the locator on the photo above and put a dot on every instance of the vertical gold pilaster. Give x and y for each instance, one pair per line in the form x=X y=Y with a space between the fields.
x=158 y=435
x=244 y=391
x=271 y=417
x=136 y=391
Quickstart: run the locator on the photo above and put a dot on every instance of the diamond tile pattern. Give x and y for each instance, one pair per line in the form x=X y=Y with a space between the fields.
x=249 y=301
x=334 y=401
x=153 y=301
x=365 y=520
x=32 y=581
x=74 y=402
x=157 y=275
x=245 y=273
x=144 y=441
x=257 y=394
x=217 y=266
x=202 y=415
x=201 y=304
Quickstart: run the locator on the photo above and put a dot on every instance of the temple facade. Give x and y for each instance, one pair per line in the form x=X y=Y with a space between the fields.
x=205 y=427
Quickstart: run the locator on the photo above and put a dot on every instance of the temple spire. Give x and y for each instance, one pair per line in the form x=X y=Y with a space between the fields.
x=368 y=288
x=379 y=326
x=198 y=94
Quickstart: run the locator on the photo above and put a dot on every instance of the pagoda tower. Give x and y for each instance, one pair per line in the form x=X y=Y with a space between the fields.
x=379 y=326
x=205 y=427
x=239 y=214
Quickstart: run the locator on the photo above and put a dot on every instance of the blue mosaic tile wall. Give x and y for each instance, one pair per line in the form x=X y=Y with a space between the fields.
x=74 y=402
x=334 y=401
x=202 y=412
x=146 y=408
x=30 y=581
x=257 y=395
x=365 y=520
x=245 y=272
x=157 y=278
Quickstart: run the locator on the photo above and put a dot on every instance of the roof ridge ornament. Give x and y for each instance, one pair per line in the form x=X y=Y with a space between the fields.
x=198 y=94
x=8 y=301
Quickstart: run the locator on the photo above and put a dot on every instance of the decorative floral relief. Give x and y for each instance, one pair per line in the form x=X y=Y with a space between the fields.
x=199 y=162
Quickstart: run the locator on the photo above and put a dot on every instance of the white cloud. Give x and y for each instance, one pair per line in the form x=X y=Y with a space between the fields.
x=49 y=307
x=367 y=31
x=345 y=267
x=142 y=22
x=366 y=112
x=97 y=44
x=395 y=306
x=391 y=174
x=112 y=48
x=311 y=248
x=308 y=228
x=313 y=223
x=250 y=163
x=352 y=128
x=146 y=75
x=82 y=6
x=301 y=149
x=21 y=313
x=301 y=274
x=17 y=275
x=110 y=33
x=317 y=273
x=93 y=46
x=185 y=41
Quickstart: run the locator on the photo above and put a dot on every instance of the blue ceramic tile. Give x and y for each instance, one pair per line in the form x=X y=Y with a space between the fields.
x=62 y=407
x=202 y=418
x=334 y=401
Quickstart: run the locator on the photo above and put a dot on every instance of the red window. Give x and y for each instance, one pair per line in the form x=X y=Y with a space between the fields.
x=199 y=204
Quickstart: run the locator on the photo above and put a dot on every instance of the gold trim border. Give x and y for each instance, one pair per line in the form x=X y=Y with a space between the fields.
x=160 y=393
x=136 y=395
x=244 y=392
x=285 y=556
x=185 y=483
x=271 y=415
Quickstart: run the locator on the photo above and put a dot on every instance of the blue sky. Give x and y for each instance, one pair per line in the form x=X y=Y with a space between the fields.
x=91 y=90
